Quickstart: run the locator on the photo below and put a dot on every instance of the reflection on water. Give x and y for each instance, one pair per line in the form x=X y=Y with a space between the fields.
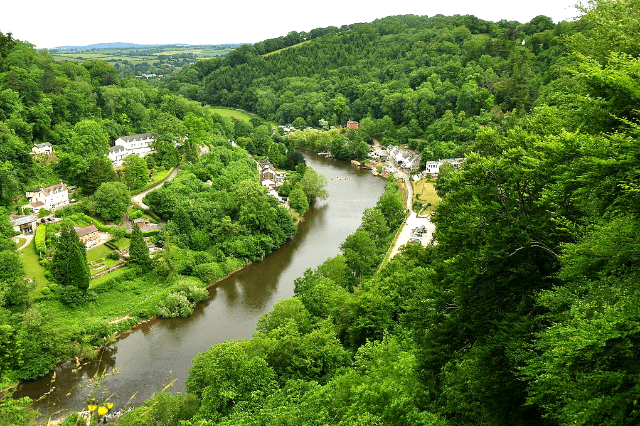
x=159 y=350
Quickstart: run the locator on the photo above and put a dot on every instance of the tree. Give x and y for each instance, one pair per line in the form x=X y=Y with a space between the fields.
x=299 y=123
x=111 y=200
x=228 y=375
x=69 y=263
x=314 y=185
x=360 y=253
x=9 y=183
x=135 y=172
x=138 y=250
x=101 y=171
x=78 y=273
x=298 y=200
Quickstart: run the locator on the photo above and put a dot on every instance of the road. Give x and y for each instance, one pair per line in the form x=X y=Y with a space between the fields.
x=137 y=199
x=412 y=222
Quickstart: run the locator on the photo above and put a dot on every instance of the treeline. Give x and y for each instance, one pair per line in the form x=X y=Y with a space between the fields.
x=525 y=312
x=431 y=79
x=81 y=109
x=212 y=228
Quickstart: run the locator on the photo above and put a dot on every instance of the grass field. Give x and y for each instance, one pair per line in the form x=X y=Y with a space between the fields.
x=424 y=191
x=233 y=113
x=289 y=47
x=32 y=268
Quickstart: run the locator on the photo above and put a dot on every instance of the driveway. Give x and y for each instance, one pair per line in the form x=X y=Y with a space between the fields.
x=137 y=199
x=29 y=237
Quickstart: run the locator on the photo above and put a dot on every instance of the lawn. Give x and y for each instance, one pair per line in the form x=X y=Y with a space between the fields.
x=32 y=268
x=424 y=191
x=122 y=243
x=233 y=113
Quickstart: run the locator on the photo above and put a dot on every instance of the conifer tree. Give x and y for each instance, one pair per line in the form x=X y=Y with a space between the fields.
x=69 y=258
x=78 y=271
x=138 y=250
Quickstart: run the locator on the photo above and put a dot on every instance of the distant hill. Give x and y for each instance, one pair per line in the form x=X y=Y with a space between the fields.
x=120 y=45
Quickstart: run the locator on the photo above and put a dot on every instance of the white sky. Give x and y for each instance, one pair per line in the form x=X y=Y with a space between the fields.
x=48 y=23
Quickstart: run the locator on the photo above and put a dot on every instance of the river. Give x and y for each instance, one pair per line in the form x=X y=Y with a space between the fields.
x=161 y=351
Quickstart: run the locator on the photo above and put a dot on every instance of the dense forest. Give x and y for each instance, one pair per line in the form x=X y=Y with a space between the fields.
x=524 y=312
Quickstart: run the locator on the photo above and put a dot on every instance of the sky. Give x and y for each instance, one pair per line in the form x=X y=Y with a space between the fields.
x=48 y=24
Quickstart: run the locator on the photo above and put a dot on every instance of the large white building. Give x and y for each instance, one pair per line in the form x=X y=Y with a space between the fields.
x=404 y=158
x=125 y=146
x=433 y=167
x=49 y=198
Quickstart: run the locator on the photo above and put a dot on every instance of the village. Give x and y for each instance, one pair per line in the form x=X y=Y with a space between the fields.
x=382 y=160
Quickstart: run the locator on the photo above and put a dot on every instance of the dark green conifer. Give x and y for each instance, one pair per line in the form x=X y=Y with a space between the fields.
x=138 y=250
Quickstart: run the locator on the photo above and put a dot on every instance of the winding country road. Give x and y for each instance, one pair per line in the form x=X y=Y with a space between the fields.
x=137 y=199
x=412 y=222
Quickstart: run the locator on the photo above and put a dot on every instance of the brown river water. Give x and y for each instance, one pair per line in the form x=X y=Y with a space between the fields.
x=161 y=351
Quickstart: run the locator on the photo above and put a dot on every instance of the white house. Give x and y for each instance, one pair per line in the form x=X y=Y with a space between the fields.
x=44 y=148
x=125 y=146
x=50 y=197
x=433 y=167
x=404 y=158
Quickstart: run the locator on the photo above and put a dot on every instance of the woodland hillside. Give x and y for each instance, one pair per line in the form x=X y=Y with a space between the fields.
x=525 y=312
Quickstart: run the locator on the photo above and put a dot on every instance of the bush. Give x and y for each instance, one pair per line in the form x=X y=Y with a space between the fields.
x=45 y=291
x=175 y=305
x=53 y=287
x=70 y=211
x=182 y=299
x=43 y=213
x=41 y=233
x=135 y=214
x=73 y=296
x=209 y=272
x=117 y=232
x=115 y=255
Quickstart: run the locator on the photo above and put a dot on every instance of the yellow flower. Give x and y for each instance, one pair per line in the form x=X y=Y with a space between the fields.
x=109 y=405
x=92 y=408
x=102 y=411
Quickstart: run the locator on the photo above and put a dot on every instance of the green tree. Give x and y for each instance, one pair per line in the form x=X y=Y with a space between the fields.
x=100 y=171
x=69 y=262
x=9 y=184
x=111 y=200
x=227 y=376
x=314 y=185
x=138 y=250
x=135 y=172
x=360 y=253
x=298 y=200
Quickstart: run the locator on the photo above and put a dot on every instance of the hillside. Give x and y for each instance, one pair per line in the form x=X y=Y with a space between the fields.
x=524 y=311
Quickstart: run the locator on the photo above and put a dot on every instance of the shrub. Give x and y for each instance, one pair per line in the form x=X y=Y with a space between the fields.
x=45 y=290
x=209 y=272
x=117 y=232
x=53 y=287
x=41 y=233
x=73 y=296
x=43 y=213
x=175 y=305
x=70 y=210
x=115 y=255
x=135 y=214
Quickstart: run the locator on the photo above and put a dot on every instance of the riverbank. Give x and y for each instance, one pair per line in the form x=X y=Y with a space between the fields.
x=156 y=347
